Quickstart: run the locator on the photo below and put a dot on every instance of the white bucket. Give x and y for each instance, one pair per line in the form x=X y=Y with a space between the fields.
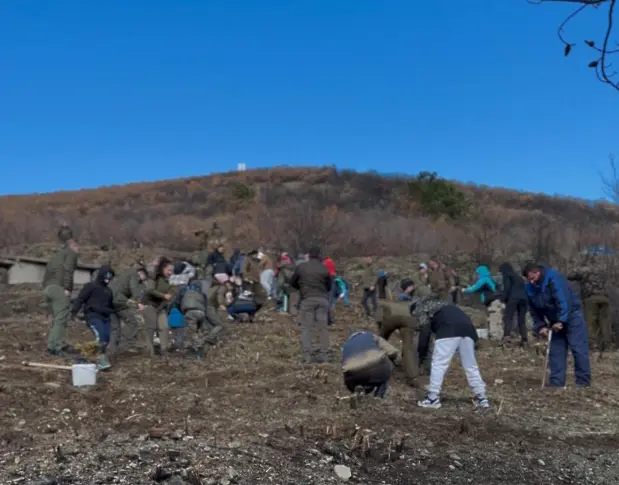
x=84 y=374
x=482 y=333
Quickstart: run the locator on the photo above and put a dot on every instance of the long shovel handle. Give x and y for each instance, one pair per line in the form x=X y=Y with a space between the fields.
x=547 y=359
x=47 y=366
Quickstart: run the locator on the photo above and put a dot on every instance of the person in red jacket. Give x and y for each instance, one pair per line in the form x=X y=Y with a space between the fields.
x=330 y=266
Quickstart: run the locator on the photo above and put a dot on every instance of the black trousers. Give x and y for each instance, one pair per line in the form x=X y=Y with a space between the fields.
x=518 y=308
x=372 y=378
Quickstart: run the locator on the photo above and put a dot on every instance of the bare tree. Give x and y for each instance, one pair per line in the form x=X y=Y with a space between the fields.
x=610 y=181
x=604 y=49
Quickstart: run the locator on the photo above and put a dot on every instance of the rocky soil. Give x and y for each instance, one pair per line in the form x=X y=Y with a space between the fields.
x=252 y=414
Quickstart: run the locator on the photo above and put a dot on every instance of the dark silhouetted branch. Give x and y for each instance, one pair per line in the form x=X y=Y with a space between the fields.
x=603 y=66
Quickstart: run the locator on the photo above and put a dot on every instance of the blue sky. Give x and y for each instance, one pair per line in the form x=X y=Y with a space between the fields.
x=102 y=93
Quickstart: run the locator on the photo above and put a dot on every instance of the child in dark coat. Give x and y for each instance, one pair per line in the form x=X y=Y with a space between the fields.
x=97 y=300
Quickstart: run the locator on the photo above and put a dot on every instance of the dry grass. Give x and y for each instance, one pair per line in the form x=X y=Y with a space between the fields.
x=251 y=390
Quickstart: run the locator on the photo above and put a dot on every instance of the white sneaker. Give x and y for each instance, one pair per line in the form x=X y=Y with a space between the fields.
x=482 y=402
x=430 y=403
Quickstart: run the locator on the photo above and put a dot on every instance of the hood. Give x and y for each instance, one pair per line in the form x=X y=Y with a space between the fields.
x=104 y=272
x=381 y=274
x=406 y=284
x=285 y=259
x=179 y=267
x=423 y=266
x=483 y=271
x=506 y=268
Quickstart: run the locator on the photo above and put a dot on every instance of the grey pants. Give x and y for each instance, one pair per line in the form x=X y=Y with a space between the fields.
x=156 y=321
x=314 y=316
x=122 y=322
x=207 y=326
x=444 y=350
x=60 y=306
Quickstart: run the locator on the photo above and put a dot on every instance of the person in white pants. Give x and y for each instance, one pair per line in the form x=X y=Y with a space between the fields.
x=454 y=333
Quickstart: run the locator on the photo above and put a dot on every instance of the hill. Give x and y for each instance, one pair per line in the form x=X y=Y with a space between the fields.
x=347 y=212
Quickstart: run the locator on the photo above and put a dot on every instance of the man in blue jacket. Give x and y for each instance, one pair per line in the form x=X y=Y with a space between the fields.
x=553 y=304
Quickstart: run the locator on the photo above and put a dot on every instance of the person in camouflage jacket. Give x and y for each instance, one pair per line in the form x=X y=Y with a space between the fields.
x=395 y=315
x=201 y=313
x=129 y=285
x=441 y=281
x=590 y=283
x=57 y=288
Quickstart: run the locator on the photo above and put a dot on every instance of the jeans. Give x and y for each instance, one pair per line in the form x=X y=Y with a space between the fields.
x=369 y=295
x=238 y=307
x=101 y=330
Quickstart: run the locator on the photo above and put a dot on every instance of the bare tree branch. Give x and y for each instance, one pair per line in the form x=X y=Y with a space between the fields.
x=603 y=66
x=610 y=182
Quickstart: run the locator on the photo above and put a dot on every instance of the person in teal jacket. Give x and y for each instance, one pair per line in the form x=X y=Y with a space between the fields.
x=484 y=285
x=340 y=291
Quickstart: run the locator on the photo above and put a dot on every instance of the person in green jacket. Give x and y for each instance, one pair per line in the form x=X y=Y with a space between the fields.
x=369 y=279
x=155 y=300
x=57 y=288
x=420 y=281
x=285 y=270
x=396 y=315
x=129 y=285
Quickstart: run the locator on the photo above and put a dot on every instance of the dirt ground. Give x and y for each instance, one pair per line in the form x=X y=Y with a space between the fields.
x=252 y=414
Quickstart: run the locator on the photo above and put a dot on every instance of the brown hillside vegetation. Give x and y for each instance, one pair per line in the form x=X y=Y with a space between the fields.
x=349 y=213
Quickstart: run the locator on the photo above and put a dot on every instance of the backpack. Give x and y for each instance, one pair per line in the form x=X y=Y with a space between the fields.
x=176 y=319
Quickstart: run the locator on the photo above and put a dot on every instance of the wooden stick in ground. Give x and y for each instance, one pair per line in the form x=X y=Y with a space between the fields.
x=547 y=359
x=47 y=366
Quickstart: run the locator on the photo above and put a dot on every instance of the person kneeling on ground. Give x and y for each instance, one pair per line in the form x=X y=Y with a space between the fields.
x=98 y=303
x=367 y=363
x=454 y=332
x=194 y=306
x=407 y=286
x=242 y=305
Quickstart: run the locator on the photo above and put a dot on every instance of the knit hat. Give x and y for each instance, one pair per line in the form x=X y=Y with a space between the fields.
x=65 y=234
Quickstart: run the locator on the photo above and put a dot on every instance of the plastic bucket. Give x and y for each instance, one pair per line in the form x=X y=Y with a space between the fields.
x=84 y=374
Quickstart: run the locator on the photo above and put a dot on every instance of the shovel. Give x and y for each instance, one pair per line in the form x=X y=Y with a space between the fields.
x=546 y=359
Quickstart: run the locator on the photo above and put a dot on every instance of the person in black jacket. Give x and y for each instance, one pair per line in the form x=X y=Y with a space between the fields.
x=221 y=267
x=97 y=300
x=454 y=332
x=313 y=281
x=515 y=298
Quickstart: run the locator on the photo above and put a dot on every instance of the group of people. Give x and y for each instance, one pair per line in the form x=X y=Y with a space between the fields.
x=201 y=293
x=554 y=305
x=174 y=296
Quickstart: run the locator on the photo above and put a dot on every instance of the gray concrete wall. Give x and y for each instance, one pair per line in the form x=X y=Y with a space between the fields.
x=21 y=273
